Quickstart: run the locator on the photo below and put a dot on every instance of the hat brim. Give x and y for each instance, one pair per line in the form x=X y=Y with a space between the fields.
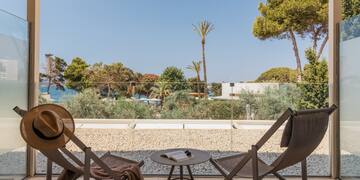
x=32 y=139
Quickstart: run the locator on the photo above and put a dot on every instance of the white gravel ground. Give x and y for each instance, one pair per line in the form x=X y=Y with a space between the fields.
x=138 y=144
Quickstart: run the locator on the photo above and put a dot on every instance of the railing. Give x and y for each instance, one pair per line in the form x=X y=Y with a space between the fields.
x=130 y=100
x=228 y=121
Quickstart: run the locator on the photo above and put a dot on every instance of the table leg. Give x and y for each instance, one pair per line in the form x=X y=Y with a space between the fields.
x=190 y=173
x=181 y=173
x=171 y=172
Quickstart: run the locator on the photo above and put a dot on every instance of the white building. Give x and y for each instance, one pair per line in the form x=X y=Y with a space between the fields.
x=232 y=90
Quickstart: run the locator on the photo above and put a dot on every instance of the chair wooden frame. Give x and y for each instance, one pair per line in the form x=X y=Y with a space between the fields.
x=253 y=152
x=70 y=171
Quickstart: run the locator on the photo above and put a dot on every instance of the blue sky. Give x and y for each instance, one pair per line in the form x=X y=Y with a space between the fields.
x=149 y=35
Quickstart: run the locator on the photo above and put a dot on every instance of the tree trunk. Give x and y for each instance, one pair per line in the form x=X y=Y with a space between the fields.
x=315 y=44
x=204 y=66
x=322 y=46
x=109 y=90
x=314 y=37
x=161 y=101
x=133 y=90
x=49 y=85
x=198 y=83
x=297 y=56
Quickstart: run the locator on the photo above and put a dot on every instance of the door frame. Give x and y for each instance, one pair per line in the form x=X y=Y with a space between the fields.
x=33 y=17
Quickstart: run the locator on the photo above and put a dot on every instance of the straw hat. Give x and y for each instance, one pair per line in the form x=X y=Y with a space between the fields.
x=47 y=126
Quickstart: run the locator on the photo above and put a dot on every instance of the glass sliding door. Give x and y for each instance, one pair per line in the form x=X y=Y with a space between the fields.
x=13 y=92
x=350 y=97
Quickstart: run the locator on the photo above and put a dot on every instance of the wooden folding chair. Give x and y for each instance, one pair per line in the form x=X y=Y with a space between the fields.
x=73 y=170
x=302 y=134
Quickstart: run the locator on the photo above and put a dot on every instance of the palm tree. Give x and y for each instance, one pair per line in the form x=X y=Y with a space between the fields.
x=160 y=91
x=203 y=29
x=196 y=67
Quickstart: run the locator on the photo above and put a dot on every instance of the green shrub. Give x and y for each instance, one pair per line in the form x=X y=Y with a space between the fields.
x=177 y=114
x=213 y=110
x=216 y=89
x=274 y=102
x=249 y=98
x=175 y=78
x=123 y=109
x=178 y=105
x=269 y=105
x=88 y=104
x=220 y=110
x=194 y=84
x=179 y=100
x=314 y=88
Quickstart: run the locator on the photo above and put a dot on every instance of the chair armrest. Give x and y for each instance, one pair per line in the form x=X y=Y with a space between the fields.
x=87 y=163
x=49 y=169
x=141 y=163
x=253 y=155
x=71 y=156
x=19 y=111
x=98 y=161
x=255 y=165
x=239 y=166
x=218 y=167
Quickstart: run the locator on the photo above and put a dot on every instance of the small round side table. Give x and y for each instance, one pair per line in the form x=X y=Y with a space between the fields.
x=198 y=157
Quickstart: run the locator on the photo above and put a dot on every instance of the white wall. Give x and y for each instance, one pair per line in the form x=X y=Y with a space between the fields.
x=251 y=87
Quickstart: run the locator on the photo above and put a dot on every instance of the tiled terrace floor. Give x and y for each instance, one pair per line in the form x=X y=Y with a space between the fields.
x=200 y=178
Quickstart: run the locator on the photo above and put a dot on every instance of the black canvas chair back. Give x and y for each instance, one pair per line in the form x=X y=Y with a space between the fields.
x=304 y=132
